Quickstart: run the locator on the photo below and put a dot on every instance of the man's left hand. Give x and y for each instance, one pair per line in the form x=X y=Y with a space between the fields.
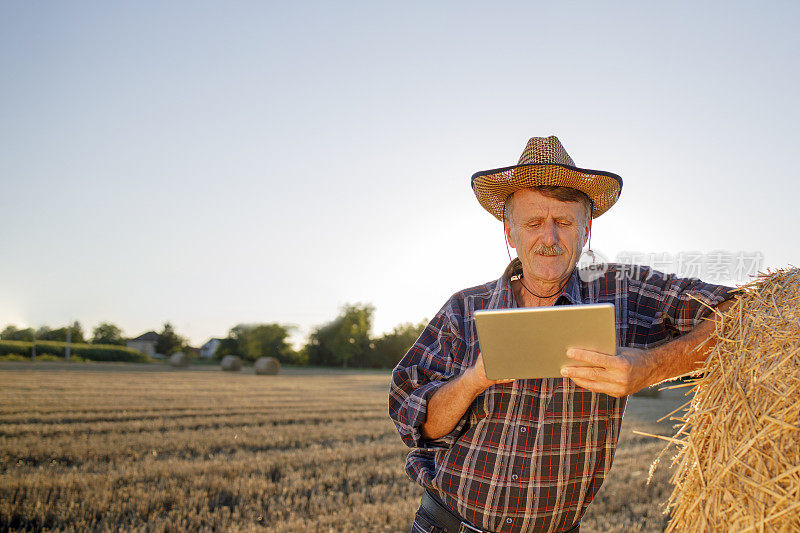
x=616 y=375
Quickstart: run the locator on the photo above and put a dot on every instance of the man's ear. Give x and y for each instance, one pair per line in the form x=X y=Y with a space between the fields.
x=587 y=231
x=509 y=235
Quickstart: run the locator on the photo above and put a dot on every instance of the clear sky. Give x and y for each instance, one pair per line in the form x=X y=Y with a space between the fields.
x=213 y=163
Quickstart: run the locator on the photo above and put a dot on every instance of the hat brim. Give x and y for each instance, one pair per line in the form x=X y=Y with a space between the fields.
x=492 y=187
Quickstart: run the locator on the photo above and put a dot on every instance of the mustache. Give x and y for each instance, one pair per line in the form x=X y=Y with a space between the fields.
x=543 y=249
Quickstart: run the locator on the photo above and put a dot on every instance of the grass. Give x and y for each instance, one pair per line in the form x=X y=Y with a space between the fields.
x=145 y=447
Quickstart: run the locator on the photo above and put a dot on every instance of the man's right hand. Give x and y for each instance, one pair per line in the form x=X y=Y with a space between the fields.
x=451 y=401
x=479 y=377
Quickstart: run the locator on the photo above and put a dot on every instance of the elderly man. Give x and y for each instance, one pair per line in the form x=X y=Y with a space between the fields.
x=530 y=455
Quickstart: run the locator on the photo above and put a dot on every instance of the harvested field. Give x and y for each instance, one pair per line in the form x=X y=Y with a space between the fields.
x=109 y=447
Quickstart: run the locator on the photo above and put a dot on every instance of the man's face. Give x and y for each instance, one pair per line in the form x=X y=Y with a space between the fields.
x=548 y=234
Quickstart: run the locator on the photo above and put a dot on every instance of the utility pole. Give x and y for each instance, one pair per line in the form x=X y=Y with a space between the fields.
x=69 y=337
x=33 y=347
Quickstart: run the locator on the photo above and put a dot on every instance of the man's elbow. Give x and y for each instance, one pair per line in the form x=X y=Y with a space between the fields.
x=724 y=306
x=428 y=433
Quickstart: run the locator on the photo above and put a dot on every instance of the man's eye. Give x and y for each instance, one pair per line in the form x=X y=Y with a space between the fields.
x=564 y=223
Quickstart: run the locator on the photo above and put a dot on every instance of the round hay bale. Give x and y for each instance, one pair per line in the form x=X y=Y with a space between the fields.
x=267 y=366
x=738 y=460
x=179 y=360
x=231 y=363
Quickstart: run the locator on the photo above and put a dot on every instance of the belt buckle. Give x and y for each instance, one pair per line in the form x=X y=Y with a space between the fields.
x=466 y=528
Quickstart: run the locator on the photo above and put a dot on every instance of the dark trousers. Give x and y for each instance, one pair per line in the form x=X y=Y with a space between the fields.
x=434 y=517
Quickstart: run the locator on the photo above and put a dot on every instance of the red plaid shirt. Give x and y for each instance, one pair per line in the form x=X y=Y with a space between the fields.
x=531 y=455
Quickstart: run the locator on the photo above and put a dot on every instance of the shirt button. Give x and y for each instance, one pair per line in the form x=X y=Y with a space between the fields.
x=514 y=477
x=522 y=430
x=508 y=520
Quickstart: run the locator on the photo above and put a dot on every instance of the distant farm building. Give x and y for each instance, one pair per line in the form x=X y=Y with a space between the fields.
x=146 y=342
x=193 y=353
x=208 y=350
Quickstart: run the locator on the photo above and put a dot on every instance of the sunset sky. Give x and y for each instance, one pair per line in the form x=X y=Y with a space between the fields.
x=214 y=163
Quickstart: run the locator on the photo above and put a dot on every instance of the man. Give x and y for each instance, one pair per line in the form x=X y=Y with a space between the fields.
x=529 y=455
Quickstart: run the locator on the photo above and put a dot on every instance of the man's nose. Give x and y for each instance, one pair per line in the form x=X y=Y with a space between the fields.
x=549 y=235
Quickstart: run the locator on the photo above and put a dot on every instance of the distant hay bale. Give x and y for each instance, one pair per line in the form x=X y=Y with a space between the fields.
x=267 y=366
x=231 y=363
x=738 y=460
x=179 y=360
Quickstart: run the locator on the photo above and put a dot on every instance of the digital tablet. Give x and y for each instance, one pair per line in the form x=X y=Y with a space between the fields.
x=532 y=342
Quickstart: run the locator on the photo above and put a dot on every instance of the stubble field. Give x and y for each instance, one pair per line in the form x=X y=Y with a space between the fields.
x=142 y=447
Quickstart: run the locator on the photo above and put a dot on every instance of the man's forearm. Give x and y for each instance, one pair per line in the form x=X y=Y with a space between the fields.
x=633 y=369
x=448 y=405
x=685 y=354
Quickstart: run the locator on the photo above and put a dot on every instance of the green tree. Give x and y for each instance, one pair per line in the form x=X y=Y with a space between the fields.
x=235 y=343
x=107 y=333
x=169 y=342
x=77 y=333
x=344 y=339
x=251 y=341
x=391 y=347
x=227 y=346
x=268 y=340
x=12 y=333
x=44 y=333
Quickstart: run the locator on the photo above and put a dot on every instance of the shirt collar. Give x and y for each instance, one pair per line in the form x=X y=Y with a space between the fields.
x=571 y=291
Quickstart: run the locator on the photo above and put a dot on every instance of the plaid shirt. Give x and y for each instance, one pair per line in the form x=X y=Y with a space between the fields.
x=531 y=455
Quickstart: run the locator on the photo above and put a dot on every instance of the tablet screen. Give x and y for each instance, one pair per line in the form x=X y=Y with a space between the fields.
x=532 y=342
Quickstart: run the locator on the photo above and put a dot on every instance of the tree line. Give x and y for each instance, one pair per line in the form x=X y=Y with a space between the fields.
x=345 y=341
x=104 y=333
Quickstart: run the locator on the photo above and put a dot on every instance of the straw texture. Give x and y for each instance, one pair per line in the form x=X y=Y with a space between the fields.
x=738 y=460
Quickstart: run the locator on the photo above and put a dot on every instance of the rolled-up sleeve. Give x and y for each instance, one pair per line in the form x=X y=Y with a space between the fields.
x=669 y=306
x=427 y=366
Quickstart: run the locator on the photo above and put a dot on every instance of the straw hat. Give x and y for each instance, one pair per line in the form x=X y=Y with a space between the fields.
x=545 y=162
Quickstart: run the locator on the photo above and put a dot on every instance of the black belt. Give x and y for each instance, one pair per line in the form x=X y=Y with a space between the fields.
x=454 y=523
